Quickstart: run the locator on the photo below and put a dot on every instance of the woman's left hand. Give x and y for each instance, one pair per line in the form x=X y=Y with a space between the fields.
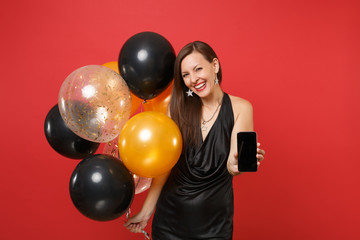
x=232 y=164
x=260 y=154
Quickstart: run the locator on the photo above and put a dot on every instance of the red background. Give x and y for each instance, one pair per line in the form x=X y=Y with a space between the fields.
x=296 y=61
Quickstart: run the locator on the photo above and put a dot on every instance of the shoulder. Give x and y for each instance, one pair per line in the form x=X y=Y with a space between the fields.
x=241 y=106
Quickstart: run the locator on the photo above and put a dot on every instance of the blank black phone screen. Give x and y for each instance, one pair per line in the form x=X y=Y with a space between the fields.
x=247 y=145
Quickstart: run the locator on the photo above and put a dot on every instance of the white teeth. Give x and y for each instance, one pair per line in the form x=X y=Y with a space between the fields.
x=199 y=86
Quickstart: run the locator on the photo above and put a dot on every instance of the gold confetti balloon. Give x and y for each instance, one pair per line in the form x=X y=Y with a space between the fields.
x=95 y=103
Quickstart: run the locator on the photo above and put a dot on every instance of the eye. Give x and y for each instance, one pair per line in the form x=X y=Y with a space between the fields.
x=198 y=69
x=185 y=75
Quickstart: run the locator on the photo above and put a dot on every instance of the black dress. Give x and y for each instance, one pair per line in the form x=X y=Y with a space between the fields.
x=197 y=200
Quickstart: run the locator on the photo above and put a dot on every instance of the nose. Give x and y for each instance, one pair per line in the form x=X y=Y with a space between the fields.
x=193 y=78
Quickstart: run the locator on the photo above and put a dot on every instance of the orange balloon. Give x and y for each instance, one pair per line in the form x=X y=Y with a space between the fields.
x=135 y=101
x=161 y=102
x=150 y=144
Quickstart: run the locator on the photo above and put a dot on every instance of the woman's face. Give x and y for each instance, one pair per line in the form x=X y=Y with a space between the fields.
x=199 y=74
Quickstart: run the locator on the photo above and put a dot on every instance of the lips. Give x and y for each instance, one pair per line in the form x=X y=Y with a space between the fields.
x=201 y=86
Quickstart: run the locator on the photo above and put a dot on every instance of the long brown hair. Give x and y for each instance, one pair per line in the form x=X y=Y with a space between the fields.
x=184 y=110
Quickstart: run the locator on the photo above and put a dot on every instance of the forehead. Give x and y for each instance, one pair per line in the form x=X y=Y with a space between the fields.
x=193 y=59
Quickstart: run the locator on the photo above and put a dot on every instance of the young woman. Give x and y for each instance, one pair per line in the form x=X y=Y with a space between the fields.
x=195 y=200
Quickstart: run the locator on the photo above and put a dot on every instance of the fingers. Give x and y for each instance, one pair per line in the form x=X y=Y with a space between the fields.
x=260 y=157
x=135 y=224
x=137 y=229
x=260 y=153
x=131 y=224
x=258 y=148
x=127 y=223
x=134 y=227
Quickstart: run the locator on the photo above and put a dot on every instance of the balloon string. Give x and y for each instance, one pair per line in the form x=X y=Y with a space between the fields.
x=146 y=235
x=138 y=182
x=142 y=109
x=142 y=106
x=128 y=213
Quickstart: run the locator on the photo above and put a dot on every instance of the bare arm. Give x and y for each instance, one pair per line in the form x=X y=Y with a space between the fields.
x=139 y=221
x=243 y=114
x=243 y=121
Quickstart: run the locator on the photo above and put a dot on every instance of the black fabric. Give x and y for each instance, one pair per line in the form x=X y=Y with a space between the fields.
x=197 y=200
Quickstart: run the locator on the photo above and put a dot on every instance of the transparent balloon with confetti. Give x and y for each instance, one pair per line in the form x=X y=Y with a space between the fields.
x=95 y=103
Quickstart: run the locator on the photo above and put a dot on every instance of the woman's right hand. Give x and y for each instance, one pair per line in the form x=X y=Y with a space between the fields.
x=137 y=223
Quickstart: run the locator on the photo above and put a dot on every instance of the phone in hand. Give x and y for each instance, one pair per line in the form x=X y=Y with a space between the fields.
x=246 y=146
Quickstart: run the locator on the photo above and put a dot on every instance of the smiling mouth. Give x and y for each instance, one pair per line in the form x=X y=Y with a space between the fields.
x=200 y=86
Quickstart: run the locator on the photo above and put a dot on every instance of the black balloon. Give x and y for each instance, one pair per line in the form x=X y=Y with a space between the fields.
x=101 y=187
x=146 y=62
x=63 y=140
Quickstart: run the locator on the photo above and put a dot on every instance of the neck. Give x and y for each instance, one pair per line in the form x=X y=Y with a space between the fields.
x=214 y=99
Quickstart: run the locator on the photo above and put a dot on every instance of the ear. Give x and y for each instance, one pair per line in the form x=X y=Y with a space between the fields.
x=216 y=65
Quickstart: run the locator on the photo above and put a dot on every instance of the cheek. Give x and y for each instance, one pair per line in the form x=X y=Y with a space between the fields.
x=187 y=82
x=205 y=75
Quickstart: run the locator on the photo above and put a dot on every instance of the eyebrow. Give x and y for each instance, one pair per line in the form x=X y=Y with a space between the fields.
x=193 y=68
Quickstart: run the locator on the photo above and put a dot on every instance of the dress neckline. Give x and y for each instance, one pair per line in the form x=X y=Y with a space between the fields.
x=215 y=122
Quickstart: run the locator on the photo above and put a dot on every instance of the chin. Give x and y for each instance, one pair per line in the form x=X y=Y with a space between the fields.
x=208 y=90
x=204 y=93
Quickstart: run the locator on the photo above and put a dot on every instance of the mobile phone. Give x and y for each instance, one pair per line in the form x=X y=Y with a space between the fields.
x=246 y=146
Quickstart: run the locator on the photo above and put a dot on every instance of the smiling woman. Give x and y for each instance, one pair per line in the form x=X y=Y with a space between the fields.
x=199 y=74
x=195 y=200
x=197 y=69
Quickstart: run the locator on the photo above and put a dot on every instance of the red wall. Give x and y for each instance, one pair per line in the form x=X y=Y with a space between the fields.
x=296 y=61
